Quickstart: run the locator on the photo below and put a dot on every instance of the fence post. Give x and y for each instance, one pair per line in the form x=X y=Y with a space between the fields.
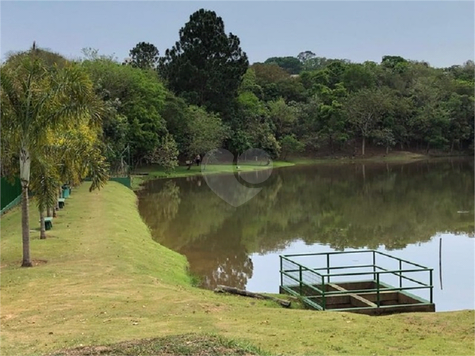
x=377 y=289
x=400 y=274
x=431 y=286
x=328 y=267
x=281 y=275
x=374 y=265
x=324 y=301
x=300 y=280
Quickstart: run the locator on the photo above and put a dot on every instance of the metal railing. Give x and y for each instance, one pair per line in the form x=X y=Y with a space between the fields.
x=314 y=284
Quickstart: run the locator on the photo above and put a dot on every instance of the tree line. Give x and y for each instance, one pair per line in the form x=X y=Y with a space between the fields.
x=63 y=120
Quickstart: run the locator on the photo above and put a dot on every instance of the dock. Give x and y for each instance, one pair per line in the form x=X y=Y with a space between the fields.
x=361 y=281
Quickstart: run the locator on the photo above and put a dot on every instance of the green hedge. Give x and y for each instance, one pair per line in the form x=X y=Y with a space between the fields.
x=9 y=192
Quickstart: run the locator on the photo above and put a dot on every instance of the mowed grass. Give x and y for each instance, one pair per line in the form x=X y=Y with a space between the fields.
x=100 y=280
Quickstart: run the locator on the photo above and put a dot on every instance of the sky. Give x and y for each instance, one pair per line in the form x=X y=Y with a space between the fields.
x=438 y=32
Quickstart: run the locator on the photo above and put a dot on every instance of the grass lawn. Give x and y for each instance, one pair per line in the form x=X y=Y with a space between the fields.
x=99 y=279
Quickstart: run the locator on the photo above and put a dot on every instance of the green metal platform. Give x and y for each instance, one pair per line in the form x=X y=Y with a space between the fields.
x=361 y=281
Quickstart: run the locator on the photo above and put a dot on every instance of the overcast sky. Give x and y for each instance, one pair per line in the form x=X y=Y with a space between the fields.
x=439 y=32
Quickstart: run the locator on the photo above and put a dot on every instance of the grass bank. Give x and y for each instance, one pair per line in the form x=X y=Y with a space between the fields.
x=100 y=279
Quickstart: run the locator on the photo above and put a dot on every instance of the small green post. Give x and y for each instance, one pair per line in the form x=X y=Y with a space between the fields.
x=374 y=265
x=400 y=274
x=281 y=275
x=300 y=280
x=328 y=267
x=431 y=286
x=324 y=301
x=377 y=290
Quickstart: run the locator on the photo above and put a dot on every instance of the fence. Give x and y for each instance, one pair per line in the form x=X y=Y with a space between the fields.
x=10 y=194
x=316 y=285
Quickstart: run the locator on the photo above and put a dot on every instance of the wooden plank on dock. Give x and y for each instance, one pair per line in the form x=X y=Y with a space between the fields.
x=355 y=296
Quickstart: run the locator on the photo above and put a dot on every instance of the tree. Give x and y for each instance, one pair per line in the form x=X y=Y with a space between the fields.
x=205 y=66
x=291 y=65
x=395 y=63
x=289 y=145
x=305 y=56
x=144 y=56
x=135 y=98
x=365 y=109
x=268 y=73
x=283 y=117
x=384 y=137
x=165 y=154
x=205 y=131
x=36 y=98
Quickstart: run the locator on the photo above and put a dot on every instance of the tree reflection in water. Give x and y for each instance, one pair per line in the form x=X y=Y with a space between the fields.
x=343 y=206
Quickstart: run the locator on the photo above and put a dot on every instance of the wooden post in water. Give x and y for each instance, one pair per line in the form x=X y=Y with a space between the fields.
x=440 y=263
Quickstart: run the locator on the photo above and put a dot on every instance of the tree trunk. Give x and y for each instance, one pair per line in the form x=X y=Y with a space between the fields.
x=363 y=145
x=42 y=225
x=48 y=212
x=57 y=200
x=25 y=218
x=387 y=149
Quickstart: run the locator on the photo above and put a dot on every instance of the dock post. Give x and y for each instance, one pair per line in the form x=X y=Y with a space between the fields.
x=377 y=290
x=324 y=301
x=281 y=275
x=300 y=280
x=374 y=265
x=431 y=287
x=400 y=274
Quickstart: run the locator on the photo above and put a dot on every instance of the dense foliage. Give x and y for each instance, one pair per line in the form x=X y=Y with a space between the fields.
x=202 y=93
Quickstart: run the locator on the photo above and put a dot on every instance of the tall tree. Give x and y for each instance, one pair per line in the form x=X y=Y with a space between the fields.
x=36 y=98
x=144 y=55
x=365 y=109
x=206 y=65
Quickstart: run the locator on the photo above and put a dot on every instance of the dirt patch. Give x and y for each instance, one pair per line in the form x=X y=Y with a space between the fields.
x=39 y=262
x=18 y=263
x=188 y=344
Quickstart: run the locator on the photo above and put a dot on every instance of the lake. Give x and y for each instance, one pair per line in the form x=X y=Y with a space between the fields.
x=409 y=210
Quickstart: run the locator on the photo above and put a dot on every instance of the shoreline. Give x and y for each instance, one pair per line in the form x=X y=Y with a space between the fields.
x=146 y=173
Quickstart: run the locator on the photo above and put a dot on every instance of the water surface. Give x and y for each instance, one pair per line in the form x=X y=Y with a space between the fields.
x=404 y=209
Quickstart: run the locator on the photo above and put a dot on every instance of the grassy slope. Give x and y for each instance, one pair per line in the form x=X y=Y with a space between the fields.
x=106 y=281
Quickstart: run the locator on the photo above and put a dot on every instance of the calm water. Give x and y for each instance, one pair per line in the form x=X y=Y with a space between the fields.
x=405 y=209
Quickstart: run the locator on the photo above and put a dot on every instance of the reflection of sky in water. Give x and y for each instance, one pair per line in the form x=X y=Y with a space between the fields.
x=457 y=268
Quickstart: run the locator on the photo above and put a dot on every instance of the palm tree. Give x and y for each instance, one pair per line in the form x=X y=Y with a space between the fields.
x=37 y=98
